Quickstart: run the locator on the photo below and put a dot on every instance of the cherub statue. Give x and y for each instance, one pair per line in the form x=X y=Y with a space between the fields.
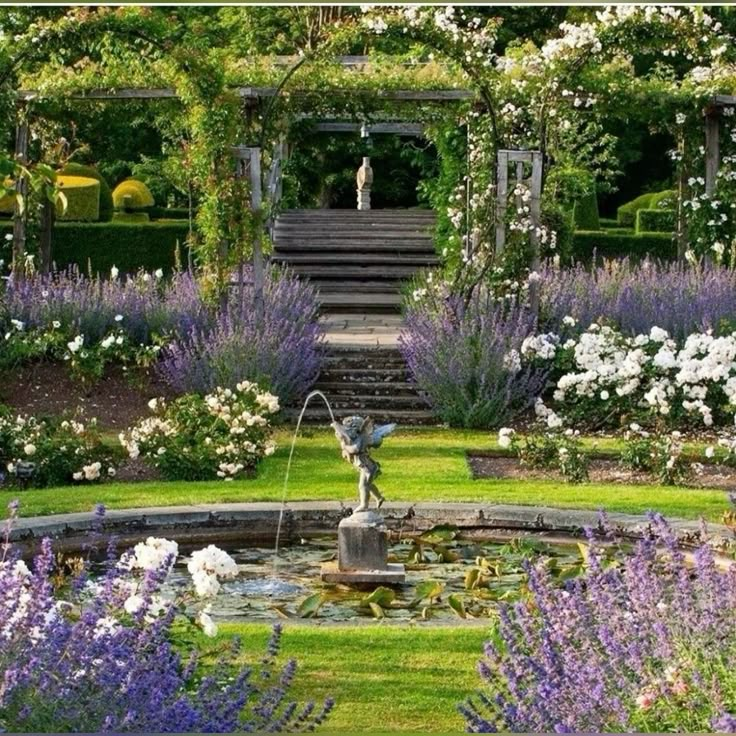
x=357 y=436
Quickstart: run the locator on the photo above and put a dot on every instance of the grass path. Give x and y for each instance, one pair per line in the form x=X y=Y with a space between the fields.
x=419 y=465
x=383 y=678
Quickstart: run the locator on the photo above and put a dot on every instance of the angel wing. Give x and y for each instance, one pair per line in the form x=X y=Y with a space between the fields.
x=342 y=434
x=380 y=432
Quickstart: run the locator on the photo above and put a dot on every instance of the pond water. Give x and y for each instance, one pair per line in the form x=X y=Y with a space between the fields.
x=448 y=579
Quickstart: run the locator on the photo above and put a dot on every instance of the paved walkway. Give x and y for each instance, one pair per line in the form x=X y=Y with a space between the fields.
x=362 y=330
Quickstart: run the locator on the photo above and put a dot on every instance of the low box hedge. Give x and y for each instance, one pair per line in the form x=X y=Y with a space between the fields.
x=618 y=244
x=106 y=244
x=656 y=221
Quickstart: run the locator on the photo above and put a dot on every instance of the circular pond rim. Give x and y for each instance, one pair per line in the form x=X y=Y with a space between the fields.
x=252 y=523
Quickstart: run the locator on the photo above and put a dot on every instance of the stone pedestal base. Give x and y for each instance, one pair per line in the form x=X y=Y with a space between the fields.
x=364 y=199
x=394 y=574
x=362 y=552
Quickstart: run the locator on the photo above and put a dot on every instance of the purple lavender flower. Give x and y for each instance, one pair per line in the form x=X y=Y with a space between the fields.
x=282 y=354
x=642 y=643
x=465 y=361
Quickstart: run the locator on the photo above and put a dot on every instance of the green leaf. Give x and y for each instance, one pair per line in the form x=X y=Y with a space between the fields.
x=427 y=590
x=472 y=578
x=457 y=604
x=380 y=596
x=584 y=552
x=439 y=534
x=309 y=607
x=377 y=610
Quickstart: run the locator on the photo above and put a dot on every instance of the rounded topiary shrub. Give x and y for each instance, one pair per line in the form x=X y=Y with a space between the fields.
x=106 y=206
x=82 y=198
x=627 y=212
x=132 y=195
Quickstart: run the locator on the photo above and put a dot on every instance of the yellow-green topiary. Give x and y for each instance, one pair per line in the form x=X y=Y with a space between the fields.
x=130 y=217
x=131 y=195
x=75 y=169
x=82 y=198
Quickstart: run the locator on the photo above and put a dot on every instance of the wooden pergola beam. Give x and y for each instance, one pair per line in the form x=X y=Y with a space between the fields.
x=407 y=129
x=162 y=93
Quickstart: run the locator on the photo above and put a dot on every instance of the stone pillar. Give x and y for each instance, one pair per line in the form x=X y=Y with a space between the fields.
x=365 y=182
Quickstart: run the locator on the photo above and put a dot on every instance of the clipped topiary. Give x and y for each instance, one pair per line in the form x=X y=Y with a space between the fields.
x=82 y=198
x=656 y=221
x=585 y=212
x=627 y=212
x=666 y=200
x=131 y=195
x=75 y=169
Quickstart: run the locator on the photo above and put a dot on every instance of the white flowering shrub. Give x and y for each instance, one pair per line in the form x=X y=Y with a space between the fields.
x=658 y=453
x=551 y=448
x=54 y=452
x=221 y=435
x=608 y=379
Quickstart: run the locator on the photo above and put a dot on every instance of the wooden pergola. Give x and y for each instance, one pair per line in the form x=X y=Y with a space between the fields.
x=713 y=113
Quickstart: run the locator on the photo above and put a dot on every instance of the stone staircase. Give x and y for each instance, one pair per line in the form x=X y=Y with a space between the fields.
x=367 y=381
x=357 y=259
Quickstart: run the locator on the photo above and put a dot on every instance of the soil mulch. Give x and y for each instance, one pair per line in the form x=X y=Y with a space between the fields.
x=117 y=400
x=600 y=470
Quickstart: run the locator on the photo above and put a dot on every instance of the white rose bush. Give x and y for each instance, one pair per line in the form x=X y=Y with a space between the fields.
x=55 y=452
x=222 y=435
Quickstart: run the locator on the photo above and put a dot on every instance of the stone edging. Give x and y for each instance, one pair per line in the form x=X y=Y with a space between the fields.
x=248 y=522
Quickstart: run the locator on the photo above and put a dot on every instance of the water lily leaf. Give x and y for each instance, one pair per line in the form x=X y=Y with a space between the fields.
x=472 y=578
x=281 y=611
x=310 y=606
x=446 y=555
x=439 y=534
x=380 y=596
x=427 y=590
x=584 y=552
x=377 y=610
x=457 y=604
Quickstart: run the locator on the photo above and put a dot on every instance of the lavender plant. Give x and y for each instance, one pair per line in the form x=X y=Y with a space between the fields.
x=283 y=353
x=643 y=642
x=83 y=655
x=465 y=359
x=679 y=298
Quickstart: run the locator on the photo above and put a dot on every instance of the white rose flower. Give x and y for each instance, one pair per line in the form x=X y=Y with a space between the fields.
x=30 y=449
x=209 y=627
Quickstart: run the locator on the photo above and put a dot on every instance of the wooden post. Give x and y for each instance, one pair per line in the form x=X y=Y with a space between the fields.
x=20 y=213
x=535 y=206
x=681 y=195
x=712 y=150
x=255 y=205
x=502 y=193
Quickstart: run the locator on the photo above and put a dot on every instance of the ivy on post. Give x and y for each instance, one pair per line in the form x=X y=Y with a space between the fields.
x=21 y=187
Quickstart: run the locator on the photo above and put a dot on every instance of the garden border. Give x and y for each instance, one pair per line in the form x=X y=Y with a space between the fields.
x=252 y=522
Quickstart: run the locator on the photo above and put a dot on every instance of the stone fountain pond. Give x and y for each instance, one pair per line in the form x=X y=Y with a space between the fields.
x=449 y=578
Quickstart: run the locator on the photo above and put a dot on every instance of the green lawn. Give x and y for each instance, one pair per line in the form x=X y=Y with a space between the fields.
x=383 y=678
x=419 y=465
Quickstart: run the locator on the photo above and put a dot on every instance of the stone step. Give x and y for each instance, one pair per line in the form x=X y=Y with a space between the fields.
x=364 y=376
x=370 y=402
x=354 y=243
x=365 y=388
x=391 y=215
x=368 y=355
x=336 y=271
x=383 y=415
x=350 y=230
x=363 y=286
x=360 y=303
x=356 y=259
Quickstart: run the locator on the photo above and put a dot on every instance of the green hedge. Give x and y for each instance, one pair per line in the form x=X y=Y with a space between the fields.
x=612 y=244
x=106 y=244
x=168 y=213
x=626 y=213
x=656 y=221
x=585 y=213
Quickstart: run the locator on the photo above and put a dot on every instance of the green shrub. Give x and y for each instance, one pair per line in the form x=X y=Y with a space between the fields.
x=106 y=206
x=82 y=199
x=627 y=212
x=585 y=212
x=168 y=213
x=131 y=195
x=654 y=220
x=620 y=244
x=665 y=200
x=107 y=244
x=608 y=223
x=132 y=218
